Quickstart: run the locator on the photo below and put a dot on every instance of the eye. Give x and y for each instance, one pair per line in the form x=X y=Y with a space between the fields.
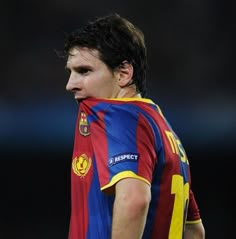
x=83 y=70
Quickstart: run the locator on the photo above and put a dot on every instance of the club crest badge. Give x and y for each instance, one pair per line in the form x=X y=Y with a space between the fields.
x=83 y=125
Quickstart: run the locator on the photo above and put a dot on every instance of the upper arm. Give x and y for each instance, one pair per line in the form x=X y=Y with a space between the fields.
x=132 y=198
x=133 y=188
x=133 y=194
x=194 y=231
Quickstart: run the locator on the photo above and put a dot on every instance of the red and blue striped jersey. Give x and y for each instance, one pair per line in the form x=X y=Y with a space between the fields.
x=128 y=137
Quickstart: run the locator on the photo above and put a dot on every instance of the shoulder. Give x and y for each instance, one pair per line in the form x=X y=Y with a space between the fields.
x=130 y=111
x=132 y=106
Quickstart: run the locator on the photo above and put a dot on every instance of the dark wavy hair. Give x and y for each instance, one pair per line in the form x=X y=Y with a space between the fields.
x=117 y=40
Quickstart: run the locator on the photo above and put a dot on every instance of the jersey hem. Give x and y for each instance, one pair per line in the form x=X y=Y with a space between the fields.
x=122 y=175
x=193 y=222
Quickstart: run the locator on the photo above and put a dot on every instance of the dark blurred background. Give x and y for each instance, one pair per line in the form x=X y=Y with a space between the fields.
x=191 y=54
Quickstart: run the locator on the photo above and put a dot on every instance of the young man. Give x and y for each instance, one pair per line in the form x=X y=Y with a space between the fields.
x=130 y=174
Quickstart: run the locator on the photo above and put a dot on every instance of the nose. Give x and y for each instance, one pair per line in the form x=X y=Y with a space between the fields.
x=70 y=84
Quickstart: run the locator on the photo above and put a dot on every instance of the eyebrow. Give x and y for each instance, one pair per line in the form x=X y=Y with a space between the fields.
x=78 y=67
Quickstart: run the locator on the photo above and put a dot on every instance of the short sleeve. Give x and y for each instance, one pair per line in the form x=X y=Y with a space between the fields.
x=123 y=143
x=193 y=215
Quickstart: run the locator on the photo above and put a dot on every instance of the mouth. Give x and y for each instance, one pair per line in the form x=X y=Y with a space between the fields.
x=78 y=99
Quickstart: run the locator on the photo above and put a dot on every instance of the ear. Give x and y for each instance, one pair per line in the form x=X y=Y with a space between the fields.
x=126 y=71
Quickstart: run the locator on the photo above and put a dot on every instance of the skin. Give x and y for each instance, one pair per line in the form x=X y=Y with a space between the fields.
x=90 y=77
x=194 y=231
x=130 y=209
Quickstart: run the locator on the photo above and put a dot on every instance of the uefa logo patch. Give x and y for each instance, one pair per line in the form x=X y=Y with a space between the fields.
x=133 y=157
x=83 y=125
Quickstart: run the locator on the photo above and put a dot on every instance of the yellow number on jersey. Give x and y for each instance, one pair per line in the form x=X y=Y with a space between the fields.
x=181 y=193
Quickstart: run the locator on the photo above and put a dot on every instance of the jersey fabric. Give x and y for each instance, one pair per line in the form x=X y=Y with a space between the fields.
x=121 y=138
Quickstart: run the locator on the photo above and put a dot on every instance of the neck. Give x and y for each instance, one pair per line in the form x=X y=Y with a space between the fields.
x=128 y=92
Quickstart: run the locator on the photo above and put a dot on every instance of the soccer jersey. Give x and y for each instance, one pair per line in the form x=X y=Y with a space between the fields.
x=128 y=138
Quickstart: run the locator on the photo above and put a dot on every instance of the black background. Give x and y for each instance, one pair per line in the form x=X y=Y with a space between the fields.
x=191 y=54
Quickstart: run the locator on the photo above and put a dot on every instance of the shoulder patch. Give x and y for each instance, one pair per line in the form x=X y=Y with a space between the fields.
x=133 y=157
x=81 y=165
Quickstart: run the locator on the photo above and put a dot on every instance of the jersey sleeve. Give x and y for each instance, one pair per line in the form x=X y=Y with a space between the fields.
x=193 y=214
x=123 y=146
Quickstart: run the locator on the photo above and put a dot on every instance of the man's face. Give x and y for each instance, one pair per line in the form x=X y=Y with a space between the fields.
x=89 y=76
